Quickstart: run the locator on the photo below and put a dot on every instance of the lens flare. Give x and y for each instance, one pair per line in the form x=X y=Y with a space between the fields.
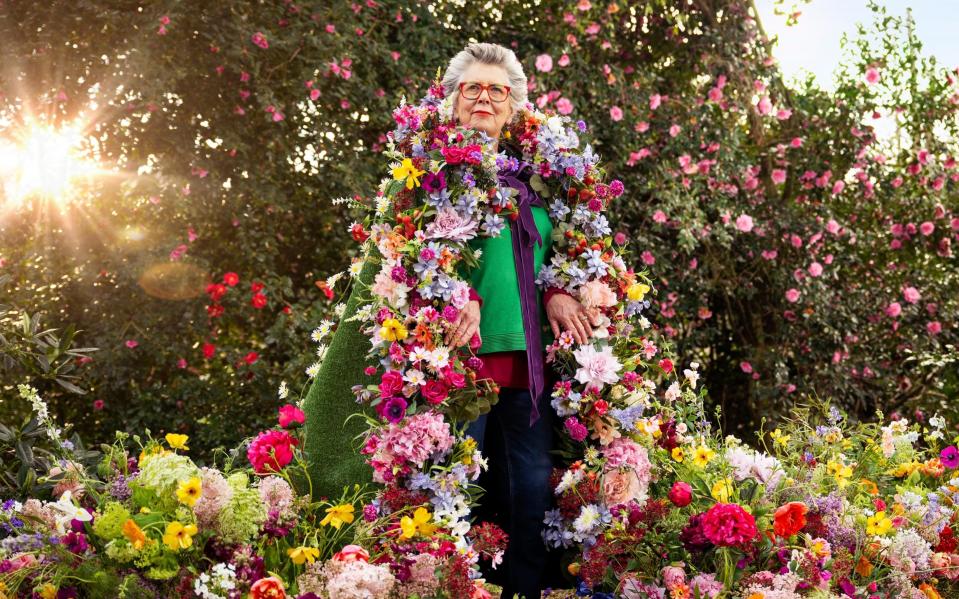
x=43 y=162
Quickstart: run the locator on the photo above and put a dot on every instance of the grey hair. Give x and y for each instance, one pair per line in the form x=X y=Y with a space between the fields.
x=491 y=54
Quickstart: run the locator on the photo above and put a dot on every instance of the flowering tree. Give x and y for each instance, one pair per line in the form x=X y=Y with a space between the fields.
x=795 y=251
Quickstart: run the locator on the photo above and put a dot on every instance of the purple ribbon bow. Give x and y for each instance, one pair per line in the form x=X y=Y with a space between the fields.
x=525 y=235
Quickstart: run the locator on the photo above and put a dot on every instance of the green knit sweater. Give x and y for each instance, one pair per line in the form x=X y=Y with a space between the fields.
x=501 y=318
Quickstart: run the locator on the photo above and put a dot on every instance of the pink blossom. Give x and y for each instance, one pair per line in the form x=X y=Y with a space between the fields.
x=746 y=367
x=564 y=106
x=260 y=40
x=796 y=142
x=715 y=94
x=815 y=269
x=616 y=113
x=448 y=224
x=832 y=226
x=744 y=223
x=544 y=63
x=674 y=130
x=837 y=187
x=872 y=75
x=596 y=368
x=911 y=294
x=927 y=228
x=647 y=258
x=660 y=217
x=934 y=327
x=563 y=60
x=270 y=451
x=779 y=176
x=792 y=295
x=728 y=524
x=893 y=310
x=764 y=105
x=131 y=343
x=769 y=254
x=654 y=101
x=178 y=252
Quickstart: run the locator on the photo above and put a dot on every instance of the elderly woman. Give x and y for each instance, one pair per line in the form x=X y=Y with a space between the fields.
x=488 y=88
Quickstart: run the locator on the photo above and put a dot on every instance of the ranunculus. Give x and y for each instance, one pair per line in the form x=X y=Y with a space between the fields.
x=621 y=485
x=789 y=519
x=291 y=416
x=681 y=494
x=271 y=451
x=435 y=391
x=268 y=588
x=728 y=525
x=352 y=553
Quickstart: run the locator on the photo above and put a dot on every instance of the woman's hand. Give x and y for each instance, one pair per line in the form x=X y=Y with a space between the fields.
x=465 y=326
x=566 y=313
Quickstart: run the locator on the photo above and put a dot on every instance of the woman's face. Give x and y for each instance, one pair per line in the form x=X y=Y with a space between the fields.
x=482 y=113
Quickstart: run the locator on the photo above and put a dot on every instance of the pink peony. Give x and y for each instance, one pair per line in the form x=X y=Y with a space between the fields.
x=596 y=294
x=271 y=451
x=744 y=223
x=596 y=368
x=728 y=525
x=681 y=494
x=623 y=452
x=291 y=416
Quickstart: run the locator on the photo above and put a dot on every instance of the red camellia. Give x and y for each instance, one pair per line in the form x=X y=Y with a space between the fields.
x=209 y=350
x=231 y=279
x=215 y=291
x=214 y=310
x=258 y=301
x=271 y=451
x=790 y=518
x=681 y=494
x=251 y=357
x=256 y=287
x=291 y=416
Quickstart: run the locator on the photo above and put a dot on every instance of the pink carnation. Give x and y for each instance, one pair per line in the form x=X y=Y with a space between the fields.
x=728 y=525
x=271 y=451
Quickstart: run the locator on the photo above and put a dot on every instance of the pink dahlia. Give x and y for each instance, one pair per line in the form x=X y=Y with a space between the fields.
x=271 y=451
x=728 y=525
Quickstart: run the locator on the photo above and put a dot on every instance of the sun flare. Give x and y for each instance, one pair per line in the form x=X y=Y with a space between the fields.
x=43 y=162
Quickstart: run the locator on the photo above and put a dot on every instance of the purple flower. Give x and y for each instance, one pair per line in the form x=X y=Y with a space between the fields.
x=75 y=542
x=950 y=457
x=434 y=182
x=394 y=409
x=581 y=125
x=398 y=274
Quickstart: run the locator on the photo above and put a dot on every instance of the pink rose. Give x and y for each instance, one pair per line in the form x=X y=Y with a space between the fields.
x=352 y=553
x=291 y=416
x=934 y=327
x=453 y=154
x=872 y=75
x=681 y=494
x=391 y=383
x=260 y=40
x=621 y=486
x=744 y=223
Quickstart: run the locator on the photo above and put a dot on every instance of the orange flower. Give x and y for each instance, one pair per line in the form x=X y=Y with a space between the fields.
x=933 y=468
x=863 y=568
x=134 y=534
x=929 y=591
x=871 y=487
x=268 y=588
x=790 y=518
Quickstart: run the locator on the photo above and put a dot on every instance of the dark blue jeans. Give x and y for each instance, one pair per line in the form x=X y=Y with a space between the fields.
x=517 y=486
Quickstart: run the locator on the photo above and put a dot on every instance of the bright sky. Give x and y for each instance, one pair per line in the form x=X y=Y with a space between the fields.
x=813 y=44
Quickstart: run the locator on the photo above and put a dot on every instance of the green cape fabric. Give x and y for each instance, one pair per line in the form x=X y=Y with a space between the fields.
x=332 y=447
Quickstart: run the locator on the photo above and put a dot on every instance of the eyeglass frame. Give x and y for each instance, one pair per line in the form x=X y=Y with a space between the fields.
x=484 y=87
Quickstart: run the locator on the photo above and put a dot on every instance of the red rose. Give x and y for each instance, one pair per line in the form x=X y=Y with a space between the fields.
x=435 y=392
x=453 y=154
x=291 y=416
x=391 y=384
x=258 y=301
x=454 y=379
x=231 y=279
x=789 y=519
x=681 y=494
x=358 y=233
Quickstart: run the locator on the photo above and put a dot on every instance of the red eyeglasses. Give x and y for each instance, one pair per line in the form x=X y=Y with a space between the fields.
x=471 y=90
